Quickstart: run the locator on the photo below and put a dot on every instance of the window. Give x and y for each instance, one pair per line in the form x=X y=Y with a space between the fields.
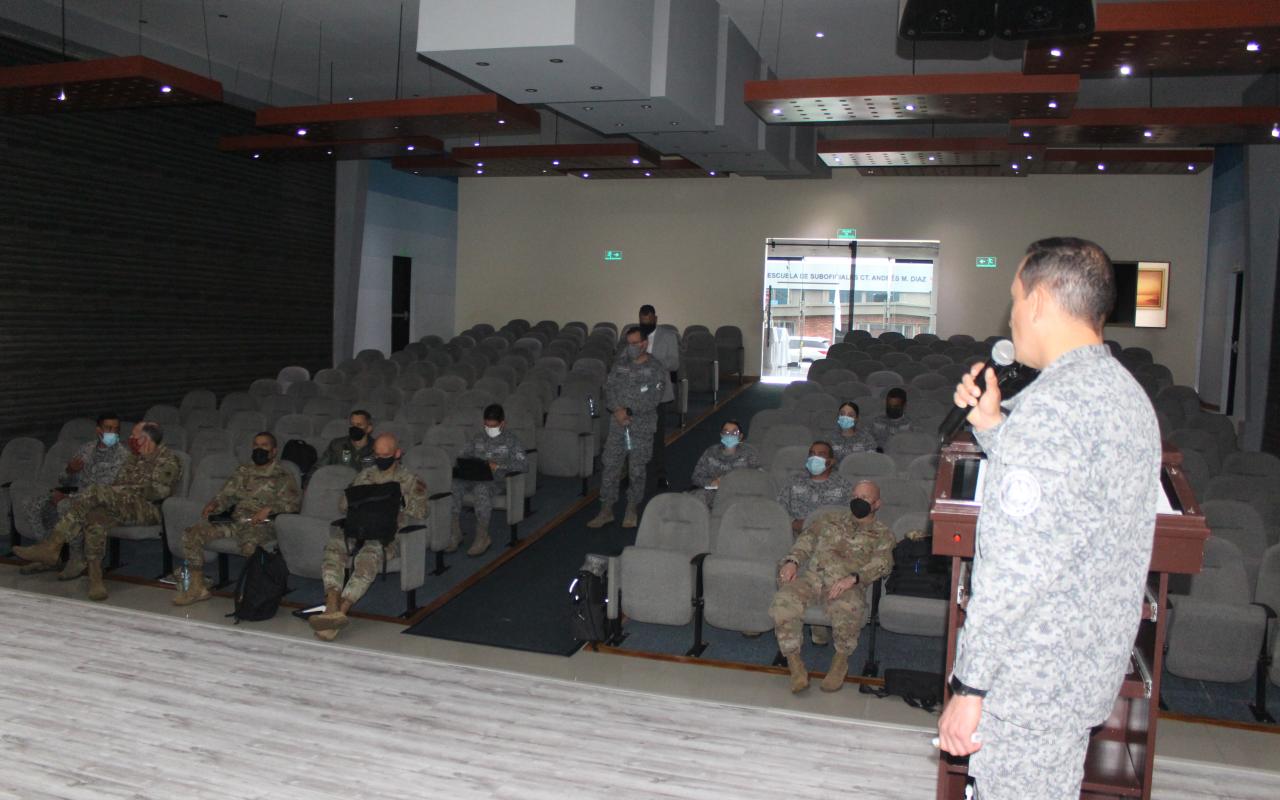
x=781 y=297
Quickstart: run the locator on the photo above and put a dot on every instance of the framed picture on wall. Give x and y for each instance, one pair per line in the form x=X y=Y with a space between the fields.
x=1142 y=294
x=1151 y=291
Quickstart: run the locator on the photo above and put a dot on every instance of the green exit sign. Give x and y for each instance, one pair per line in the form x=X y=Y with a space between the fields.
x=987 y=262
x=846 y=233
x=612 y=255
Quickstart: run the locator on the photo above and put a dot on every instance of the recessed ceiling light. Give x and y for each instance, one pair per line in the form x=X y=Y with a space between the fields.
x=479 y=172
x=635 y=161
x=1191 y=168
x=328 y=152
x=62 y=95
x=1126 y=70
x=257 y=155
x=1147 y=134
x=1030 y=157
x=482 y=63
x=1253 y=47
x=596 y=88
x=409 y=147
x=502 y=122
x=588 y=108
x=475 y=144
x=910 y=107
x=1015 y=165
x=931 y=158
x=556 y=60
x=1053 y=104
x=675 y=124
x=586 y=174
x=302 y=131
x=555 y=163
x=1102 y=167
x=531 y=91
x=479 y=163
x=619 y=124
x=351 y=98
x=1026 y=134
x=646 y=106
x=712 y=173
x=1056 y=52
x=166 y=89
x=544 y=172
x=820 y=35
x=1275 y=131
x=648 y=174
x=776 y=112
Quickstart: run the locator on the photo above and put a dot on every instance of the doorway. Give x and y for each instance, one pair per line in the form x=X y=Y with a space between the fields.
x=401 y=292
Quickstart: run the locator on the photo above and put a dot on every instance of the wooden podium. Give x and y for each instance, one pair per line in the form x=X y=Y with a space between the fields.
x=1122 y=750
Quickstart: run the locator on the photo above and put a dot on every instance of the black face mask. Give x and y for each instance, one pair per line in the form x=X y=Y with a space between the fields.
x=260 y=457
x=860 y=508
x=893 y=412
x=648 y=327
x=355 y=434
x=385 y=464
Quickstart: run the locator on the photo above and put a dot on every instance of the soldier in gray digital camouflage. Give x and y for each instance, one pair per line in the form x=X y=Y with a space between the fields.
x=148 y=476
x=367 y=562
x=250 y=498
x=631 y=395
x=894 y=420
x=850 y=437
x=505 y=454
x=819 y=485
x=1064 y=536
x=834 y=560
x=720 y=459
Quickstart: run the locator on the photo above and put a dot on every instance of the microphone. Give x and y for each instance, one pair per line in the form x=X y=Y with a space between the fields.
x=1002 y=361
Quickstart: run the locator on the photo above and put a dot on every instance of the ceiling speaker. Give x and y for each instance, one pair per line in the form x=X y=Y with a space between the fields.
x=1044 y=19
x=947 y=20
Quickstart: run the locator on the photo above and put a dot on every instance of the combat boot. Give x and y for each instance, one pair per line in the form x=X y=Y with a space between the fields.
x=35 y=567
x=836 y=673
x=74 y=569
x=195 y=593
x=603 y=518
x=480 y=545
x=97 y=589
x=327 y=636
x=799 y=673
x=629 y=519
x=455 y=535
x=47 y=551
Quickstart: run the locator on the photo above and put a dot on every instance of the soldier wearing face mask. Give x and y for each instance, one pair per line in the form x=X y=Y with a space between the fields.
x=253 y=495
x=850 y=436
x=354 y=450
x=505 y=454
x=819 y=485
x=662 y=345
x=720 y=459
x=837 y=556
x=894 y=419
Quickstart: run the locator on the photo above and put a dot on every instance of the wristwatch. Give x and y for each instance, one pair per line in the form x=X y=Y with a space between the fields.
x=962 y=689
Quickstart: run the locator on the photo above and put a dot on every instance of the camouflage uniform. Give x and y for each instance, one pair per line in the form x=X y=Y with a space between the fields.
x=249 y=489
x=860 y=442
x=638 y=387
x=805 y=495
x=100 y=467
x=342 y=452
x=133 y=499
x=507 y=452
x=884 y=428
x=832 y=547
x=368 y=561
x=716 y=462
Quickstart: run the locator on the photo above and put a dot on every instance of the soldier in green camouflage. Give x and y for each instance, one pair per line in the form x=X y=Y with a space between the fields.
x=252 y=495
x=147 y=478
x=837 y=556
x=367 y=563
x=354 y=450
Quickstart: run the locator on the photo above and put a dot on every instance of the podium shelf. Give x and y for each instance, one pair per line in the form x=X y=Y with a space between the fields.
x=1109 y=770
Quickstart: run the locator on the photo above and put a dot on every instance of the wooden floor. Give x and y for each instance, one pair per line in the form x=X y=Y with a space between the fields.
x=105 y=702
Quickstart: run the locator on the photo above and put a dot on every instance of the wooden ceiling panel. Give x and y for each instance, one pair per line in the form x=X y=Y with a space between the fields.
x=565 y=157
x=1185 y=127
x=277 y=147
x=441 y=117
x=101 y=84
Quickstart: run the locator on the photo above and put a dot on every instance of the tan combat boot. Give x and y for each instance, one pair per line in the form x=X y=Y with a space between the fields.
x=480 y=545
x=799 y=673
x=47 y=551
x=97 y=589
x=455 y=535
x=836 y=673
x=629 y=519
x=74 y=569
x=603 y=518
x=35 y=567
x=197 y=591
x=334 y=620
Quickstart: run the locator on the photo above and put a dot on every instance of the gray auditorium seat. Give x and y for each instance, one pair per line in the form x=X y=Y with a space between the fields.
x=1252 y=464
x=235 y=402
x=699 y=362
x=907 y=446
x=868 y=465
x=567 y=443
x=761 y=421
x=263 y=388
x=197 y=399
x=31 y=484
x=740 y=576
x=736 y=485
x=1200 y=441
x=797 y=389
x=1260 y=493
x=729 y=350
x=914 y=616
x=302 y=536
x=1240 y=524
x=181 y=513
x=166 y=415
x=20 y=458
x=900 y=496
x=781 y=435
x=788 y=463
x=1215 y=633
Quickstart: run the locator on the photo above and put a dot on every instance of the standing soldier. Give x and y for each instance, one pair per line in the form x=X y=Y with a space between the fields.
x=505 y=455
x=369 y=559
x=253 y=494
x=834 y=560
x=147 y=478
x=631 y=394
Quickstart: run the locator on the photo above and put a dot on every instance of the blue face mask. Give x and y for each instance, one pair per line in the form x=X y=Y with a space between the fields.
x=816 y=465
x=110 y=439
x=730 y=440
x=845 y=423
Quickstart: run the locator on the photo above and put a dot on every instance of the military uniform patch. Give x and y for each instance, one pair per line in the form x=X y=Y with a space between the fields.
x=1019 y=493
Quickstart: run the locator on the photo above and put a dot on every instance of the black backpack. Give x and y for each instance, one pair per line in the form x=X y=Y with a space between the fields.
x=372 y=513
x=917 y=571
x=262 y=583
x=300 y=453
x=917 y=689
x=588 y=619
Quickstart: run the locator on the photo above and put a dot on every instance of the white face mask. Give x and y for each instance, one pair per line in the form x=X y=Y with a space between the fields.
x=493 y=433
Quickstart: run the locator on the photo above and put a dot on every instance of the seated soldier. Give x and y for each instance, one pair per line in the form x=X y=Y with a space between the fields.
x=338 y=600
x=253 y=494
x=505 y=455
x=148 y=476
x=720 y=459
x=354 y=450
x=849 y=438
x=893 y=420
x=838 y=555
x=94 y=464
x=820 y=485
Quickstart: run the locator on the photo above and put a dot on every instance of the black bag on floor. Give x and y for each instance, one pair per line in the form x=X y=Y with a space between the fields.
x=917 y=571
x=262 y=583
x=300 y=453
x=588 y=591
x=917 y=689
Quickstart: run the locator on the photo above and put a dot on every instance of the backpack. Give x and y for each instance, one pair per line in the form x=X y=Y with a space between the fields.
x=917 y=571
x=588 y=591
x=917 y=689
x=263 y=581
x=300 y=453
x=373 y=511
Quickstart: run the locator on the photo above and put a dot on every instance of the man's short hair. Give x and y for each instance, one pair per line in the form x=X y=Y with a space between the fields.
x=1076 y=272
x=896 y=393
x=647 y=309
x=494 y=413
x=857 y=412
x=269 y=435
x=360 y=412
x=107 y=415
x=644 y=337
x=732 y=422
x=831 y=451
x=153 y=431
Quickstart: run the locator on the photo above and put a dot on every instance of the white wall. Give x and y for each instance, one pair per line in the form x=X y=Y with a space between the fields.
x=534 y=248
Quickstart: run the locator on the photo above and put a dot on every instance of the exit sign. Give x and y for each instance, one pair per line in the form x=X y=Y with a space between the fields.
x=846 y=233
x=987 y=262
x=612 y=255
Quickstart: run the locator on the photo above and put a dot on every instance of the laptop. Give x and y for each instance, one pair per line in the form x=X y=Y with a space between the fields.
x=472 y=469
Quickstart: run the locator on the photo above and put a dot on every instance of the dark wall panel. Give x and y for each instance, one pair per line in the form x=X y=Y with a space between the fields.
x=137 y=262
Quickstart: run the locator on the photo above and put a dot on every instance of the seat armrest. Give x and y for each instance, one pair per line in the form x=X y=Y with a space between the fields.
x=515 y=497
x=612 y=589
x=439 y=495
x=339 y=523
x=696 y=562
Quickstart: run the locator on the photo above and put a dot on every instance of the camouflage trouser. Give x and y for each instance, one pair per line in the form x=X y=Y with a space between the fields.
x=637 y=459
x=847 y=612
x=368 y=563
x=42 y=515
x=97 y=510
x=1016 y=763
x=249 y=537
x=482 y=494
